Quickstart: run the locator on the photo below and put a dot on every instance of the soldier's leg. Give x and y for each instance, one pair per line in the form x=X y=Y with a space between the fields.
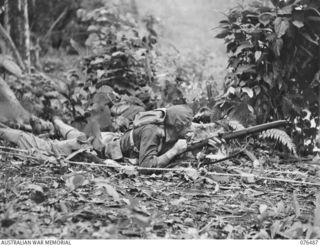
x=25 y=140
x=30 y=142
x=67 y=131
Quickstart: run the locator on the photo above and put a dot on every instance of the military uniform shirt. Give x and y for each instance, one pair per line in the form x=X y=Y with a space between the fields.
x=148 y=141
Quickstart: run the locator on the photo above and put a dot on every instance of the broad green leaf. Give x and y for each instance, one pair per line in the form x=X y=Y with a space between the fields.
x=281 y=26
x=248 y=90
x=217 y=156
x=75 y=180
x=263 y=208
x=192 y=173
x=266 y=18
x=309 y=38
x=77 y=47
x=280 y=208
x=243 y=46
x=257 y=90
x=130 y=171
x=275 y=228
x=295 y=231
x=298 y=23
x=257 y=55
x=117 y=53
x=249 y=178
x=93 y=28
x=110 y=190
x=224 y=22
x=79 y=109
x=9 y=65
x=245 y=69
x=277 y=46
x=251 y=109
x=223 y=34
x=100 y=73
x=97 y=61
x=243 y=83
x=177 y=202
x=231 y=90
x=286 y=10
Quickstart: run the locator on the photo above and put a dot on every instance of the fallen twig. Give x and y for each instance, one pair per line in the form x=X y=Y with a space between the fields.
x=15 y=149
x=207 y=226
x=19 y=155
x=165 y=169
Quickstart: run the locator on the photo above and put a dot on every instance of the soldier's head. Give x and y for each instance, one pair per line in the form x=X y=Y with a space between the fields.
x=179 y=118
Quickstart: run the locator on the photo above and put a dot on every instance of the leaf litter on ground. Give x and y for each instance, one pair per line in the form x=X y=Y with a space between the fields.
x=81 y=201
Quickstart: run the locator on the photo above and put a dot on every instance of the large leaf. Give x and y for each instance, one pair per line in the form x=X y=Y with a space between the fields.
x=249 y=91
x=10 y=108
x=77 y=47
x=298 y=23
x=277 y=46
x=223 y=34
x=110 y=190
x=309 y=38
x=244 y=45
x=266 y=18
x=74 y=180
x=281 y=26
x=245 y=69
x=8 y=64
x=257 y=55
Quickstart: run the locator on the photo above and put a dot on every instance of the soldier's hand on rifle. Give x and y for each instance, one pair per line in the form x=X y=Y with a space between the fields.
x=216 y=142
x=180 y=146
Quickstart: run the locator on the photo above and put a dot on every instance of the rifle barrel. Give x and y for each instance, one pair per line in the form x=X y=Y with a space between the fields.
x=253 y=129
x=239 y=133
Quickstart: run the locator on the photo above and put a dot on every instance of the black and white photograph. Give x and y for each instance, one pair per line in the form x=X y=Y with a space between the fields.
x=159 y=120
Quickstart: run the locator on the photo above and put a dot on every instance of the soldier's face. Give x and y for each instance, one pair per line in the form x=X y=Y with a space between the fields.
x=186 y=132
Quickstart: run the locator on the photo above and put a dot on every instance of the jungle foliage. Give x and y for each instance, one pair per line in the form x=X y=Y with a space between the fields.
x=273 y=66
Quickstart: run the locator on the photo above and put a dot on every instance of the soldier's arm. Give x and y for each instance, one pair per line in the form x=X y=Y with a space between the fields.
x=179 y=147
x=149 y=150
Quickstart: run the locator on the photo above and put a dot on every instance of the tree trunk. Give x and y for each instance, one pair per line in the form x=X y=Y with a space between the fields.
x=10 y=44
x=19 y=27
x=26 y=53
x=6 y=16
x=16 y=23
x=10 y=108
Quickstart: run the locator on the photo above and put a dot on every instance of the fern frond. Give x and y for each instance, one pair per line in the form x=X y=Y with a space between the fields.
x=281 y=136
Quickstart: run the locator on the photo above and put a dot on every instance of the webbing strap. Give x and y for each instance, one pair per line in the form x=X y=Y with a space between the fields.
x=132 y=141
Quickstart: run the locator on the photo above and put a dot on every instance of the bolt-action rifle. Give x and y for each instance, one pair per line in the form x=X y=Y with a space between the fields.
x=236 y=134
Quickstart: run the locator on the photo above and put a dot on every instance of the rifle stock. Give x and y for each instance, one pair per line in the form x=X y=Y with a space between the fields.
x=239 y=133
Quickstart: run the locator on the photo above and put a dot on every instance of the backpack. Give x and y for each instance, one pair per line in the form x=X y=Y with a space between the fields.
x=156 y=116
